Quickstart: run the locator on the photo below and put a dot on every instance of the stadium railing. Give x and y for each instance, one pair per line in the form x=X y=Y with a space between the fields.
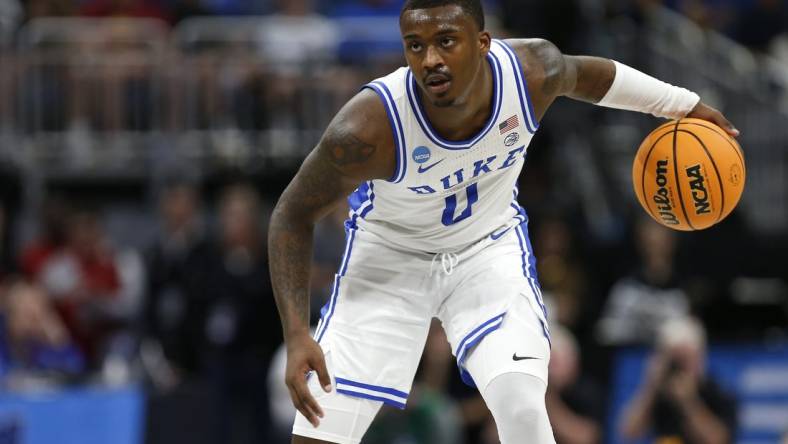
x=87 y=94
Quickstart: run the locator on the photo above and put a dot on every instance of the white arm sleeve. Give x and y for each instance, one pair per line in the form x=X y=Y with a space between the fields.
x=635 y=91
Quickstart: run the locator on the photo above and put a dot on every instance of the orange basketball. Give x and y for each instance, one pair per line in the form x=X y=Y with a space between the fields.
x=688 y=174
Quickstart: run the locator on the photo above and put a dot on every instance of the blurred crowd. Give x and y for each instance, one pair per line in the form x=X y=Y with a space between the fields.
x=755 y=23
x=191 y=315
x=299 y=35
x=224 y=78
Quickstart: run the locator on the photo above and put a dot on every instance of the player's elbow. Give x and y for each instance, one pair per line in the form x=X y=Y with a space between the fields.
x=288 y=215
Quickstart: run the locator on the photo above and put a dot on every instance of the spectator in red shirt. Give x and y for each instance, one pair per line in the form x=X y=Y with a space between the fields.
x=54 y=214
x=94 y=287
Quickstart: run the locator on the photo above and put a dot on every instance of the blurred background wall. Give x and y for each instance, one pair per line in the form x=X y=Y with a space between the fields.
x=143 y=144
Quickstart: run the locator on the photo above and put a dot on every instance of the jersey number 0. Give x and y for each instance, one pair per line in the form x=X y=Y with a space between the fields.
x=451 y=205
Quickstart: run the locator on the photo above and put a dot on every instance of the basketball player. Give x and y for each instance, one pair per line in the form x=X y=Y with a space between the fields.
x=430 y=156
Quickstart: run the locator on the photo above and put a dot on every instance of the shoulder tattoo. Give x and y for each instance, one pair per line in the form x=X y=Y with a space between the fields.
x=553 y=64
x=344 y=148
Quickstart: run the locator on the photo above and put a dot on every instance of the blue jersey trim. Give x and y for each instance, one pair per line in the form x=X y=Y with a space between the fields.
x=391 y=402
x=396 y=127
x=522 y=87
x=343 y=270
x=480 y=332
x=426 y=127
x=528 y=267
x=520 y=217
x=402 y=157
x=332 y=302
x=474 y=331
x=377 y=388
x=359 y=197
x=371 y=200
x=534 y=274
x=361 y=202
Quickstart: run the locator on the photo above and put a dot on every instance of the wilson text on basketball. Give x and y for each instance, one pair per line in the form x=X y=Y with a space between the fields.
x=662 y=197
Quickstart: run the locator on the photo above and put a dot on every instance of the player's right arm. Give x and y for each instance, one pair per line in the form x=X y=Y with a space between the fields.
x=358 y=145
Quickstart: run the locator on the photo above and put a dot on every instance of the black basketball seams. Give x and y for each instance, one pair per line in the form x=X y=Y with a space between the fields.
x=676 y=174
x=727 y=139
x=716 y=170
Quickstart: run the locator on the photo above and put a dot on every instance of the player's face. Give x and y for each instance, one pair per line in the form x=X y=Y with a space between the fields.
x=444 y=49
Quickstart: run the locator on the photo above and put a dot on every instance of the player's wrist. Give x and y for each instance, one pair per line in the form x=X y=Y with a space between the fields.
x=297 y=331
x=635 y=91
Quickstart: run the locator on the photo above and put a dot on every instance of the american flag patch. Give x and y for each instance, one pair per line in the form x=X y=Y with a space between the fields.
x=509 y=124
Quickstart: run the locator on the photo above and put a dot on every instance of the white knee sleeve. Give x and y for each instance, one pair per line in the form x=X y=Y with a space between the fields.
x=517 y=403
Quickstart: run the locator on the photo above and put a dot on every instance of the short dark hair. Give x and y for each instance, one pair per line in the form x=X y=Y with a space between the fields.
x=471 y=7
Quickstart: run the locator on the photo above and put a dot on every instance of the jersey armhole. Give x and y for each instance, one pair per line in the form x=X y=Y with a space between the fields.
x=396 y=127
x=522 y=87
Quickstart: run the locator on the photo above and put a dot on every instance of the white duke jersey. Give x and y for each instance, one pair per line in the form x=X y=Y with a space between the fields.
x=446 y=195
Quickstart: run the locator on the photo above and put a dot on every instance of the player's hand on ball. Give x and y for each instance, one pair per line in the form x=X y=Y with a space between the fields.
x=304 y=355
x=705 y=112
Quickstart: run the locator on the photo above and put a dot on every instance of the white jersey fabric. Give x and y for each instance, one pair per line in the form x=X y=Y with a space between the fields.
x=446 y=195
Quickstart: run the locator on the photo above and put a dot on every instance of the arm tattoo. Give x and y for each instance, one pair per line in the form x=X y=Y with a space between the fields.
x=346 y=155
x=551 y=83
x=327 y=176
x=554 y=66
x=344 y=148
x=313 y=190
x=289 y=251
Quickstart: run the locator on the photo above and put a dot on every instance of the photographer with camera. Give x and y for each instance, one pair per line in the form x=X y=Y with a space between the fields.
x=677 y=400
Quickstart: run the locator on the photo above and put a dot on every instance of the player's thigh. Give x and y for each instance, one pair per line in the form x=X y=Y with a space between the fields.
x=345 y=418
x=372 y=333
x=376 y=323
x=372 y=348
x=520 y=345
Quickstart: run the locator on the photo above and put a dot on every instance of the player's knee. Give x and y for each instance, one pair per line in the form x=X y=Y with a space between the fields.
x=519 y=410
x=516 y=398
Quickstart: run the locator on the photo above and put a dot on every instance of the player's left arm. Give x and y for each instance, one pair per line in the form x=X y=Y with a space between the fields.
x=601 y=81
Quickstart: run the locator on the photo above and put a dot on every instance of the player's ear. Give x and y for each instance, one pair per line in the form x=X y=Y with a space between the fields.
x=484 y=42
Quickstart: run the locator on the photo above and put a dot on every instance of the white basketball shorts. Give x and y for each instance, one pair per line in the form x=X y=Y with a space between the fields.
x=374 y=326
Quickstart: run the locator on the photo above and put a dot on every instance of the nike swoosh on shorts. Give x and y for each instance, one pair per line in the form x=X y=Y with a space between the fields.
x=521 y=358
x=496 y=236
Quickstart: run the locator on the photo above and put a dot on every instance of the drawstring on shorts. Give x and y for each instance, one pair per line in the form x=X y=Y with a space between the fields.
x=447 y=260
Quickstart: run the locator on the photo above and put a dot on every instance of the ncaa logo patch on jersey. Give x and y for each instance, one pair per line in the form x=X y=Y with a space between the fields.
x=511 y=139
x=421 y=154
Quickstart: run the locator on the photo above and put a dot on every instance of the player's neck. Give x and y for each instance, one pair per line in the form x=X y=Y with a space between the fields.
x=460 y=122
